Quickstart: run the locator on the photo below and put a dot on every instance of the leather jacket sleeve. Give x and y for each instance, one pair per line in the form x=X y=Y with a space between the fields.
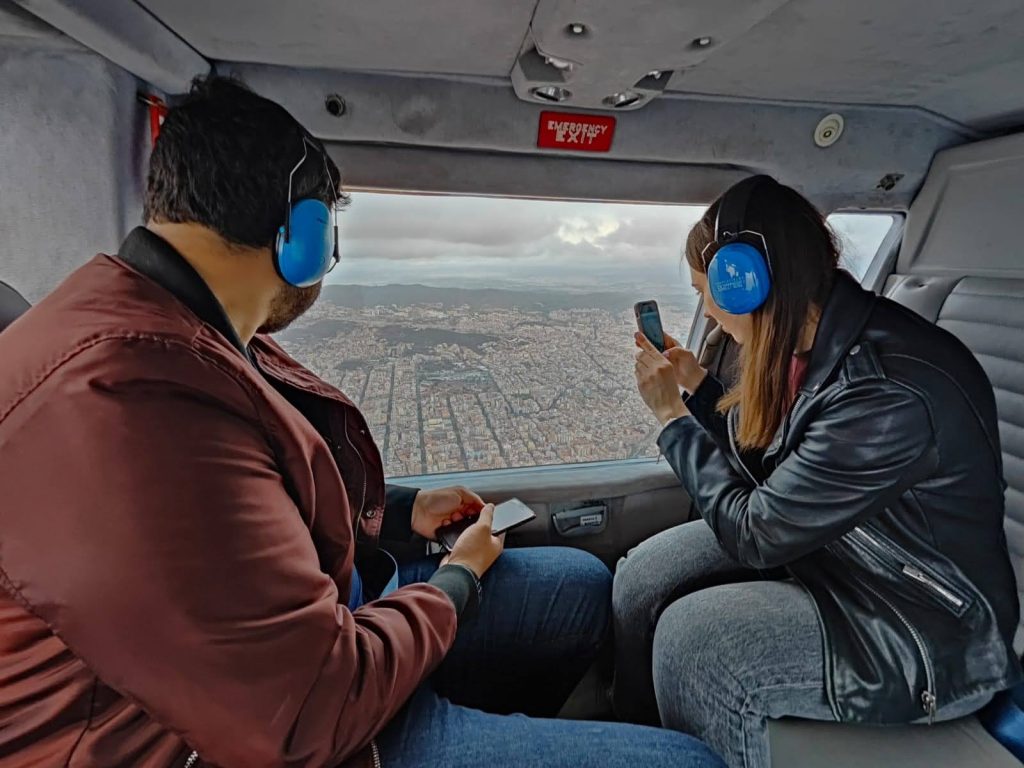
x=866 y=445
x=703 y=406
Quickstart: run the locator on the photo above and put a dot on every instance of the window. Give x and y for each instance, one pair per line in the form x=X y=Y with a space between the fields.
x=860 y=236
x=484 y=333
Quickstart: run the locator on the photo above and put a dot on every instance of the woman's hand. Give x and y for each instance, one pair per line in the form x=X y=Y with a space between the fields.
x=656 y=381
x=689 y=373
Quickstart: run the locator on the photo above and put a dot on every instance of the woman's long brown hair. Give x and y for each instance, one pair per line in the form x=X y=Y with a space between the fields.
x=804 y=257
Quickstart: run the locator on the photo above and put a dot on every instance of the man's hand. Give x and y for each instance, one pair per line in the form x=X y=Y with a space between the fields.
x=477 y=548
x=689 y=373
x=433 y=509
x=656 y=380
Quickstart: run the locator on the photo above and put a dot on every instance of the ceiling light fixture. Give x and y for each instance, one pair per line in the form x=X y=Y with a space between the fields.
x=623 y=99
x=561 y=64
x=551 y=93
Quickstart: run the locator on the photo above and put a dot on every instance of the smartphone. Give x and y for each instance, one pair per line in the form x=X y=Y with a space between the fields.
x=507 y=515
x=648 y=320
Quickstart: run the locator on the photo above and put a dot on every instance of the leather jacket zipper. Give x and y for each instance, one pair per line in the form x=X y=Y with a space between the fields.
x=911 y=571
x=735 y=450
x=193 y=760
x=927 y=581
x=929 y=700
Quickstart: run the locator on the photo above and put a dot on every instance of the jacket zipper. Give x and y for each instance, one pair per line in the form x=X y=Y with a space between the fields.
x=344 y=426
x=193 y=759
x=735 y=450
x=929 y=700
x=913 y=572
x=923 y=578
x=777 y=444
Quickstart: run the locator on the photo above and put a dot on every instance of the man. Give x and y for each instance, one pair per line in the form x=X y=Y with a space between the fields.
x=190 y=569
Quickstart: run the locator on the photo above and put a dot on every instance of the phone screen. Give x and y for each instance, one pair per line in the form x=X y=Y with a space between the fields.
x=648 y=320
x=507 y=515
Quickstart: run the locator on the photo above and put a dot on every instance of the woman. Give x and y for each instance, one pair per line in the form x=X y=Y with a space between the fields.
x=851 y=563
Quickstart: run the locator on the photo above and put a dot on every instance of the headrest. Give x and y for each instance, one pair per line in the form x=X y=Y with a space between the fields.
x=12 y=305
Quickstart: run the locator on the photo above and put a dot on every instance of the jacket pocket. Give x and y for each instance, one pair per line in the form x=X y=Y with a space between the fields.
x=939 y=591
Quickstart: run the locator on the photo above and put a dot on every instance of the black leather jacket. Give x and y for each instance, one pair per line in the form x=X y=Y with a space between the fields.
x=882 y=494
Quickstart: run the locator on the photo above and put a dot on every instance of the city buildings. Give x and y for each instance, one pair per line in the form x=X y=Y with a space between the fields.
x=460 y=387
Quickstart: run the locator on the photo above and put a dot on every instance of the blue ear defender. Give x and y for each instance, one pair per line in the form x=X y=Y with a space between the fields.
x=739 y=278
x=739 y=273
x=307 y=245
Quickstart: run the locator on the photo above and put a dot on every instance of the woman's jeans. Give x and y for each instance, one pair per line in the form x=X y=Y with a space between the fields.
x=709 y=647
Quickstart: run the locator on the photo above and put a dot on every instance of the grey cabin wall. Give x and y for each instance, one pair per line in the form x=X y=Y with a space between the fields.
x=73 y=142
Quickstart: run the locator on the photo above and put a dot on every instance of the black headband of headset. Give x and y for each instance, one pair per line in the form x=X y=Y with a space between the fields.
x=308 y=140
x=732 y=210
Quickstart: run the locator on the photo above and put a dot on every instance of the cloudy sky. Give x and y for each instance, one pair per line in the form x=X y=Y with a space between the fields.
x=506 y=243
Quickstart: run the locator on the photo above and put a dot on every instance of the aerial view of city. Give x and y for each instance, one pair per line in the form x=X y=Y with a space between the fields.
x=454 y=380
x=484 y=333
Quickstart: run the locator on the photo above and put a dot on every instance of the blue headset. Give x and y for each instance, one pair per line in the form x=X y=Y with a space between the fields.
x=740 y=270
x=307 y=244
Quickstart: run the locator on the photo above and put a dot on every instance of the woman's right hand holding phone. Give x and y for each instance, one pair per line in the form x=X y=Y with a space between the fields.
x=689 y=373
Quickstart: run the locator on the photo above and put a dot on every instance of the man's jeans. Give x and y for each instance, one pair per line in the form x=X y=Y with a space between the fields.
x=544 y=614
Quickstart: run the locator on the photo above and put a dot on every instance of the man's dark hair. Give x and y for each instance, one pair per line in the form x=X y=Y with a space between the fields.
x=223 y=158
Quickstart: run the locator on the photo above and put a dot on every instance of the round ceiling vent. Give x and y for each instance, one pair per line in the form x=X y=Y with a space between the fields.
x=829 y=130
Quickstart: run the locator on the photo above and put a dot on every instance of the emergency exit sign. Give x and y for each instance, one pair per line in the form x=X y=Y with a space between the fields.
x=577 y=133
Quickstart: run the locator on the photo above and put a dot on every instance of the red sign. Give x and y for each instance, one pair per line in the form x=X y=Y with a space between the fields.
x=579 y=133
x=157 y=113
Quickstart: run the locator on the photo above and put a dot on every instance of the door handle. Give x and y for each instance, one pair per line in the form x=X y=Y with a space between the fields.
x=584 y=521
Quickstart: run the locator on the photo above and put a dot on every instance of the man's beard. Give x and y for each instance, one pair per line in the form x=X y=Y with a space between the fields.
x=289 y=304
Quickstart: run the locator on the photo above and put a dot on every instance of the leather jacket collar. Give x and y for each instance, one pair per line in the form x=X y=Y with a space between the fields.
x=842 y=321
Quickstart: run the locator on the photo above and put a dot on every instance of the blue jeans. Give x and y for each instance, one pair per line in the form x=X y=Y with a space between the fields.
x=717 y=649
x=544 y=615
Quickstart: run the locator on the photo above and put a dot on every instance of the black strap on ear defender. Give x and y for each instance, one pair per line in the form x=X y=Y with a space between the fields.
x=309 y=141
x=732 y=211
x=336 y=256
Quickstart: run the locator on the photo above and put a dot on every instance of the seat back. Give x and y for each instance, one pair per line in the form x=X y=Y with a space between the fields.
x=987 y=314
x=12 y=305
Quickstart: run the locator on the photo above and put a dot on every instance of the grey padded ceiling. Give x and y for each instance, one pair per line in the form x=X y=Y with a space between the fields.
x=481 y=37
x=959 y=58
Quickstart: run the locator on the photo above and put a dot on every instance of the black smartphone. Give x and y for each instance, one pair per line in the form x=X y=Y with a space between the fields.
x=507 y=515
x=648 y=320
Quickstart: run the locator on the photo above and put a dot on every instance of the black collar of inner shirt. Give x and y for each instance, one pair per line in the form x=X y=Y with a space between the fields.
x=158 y=260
